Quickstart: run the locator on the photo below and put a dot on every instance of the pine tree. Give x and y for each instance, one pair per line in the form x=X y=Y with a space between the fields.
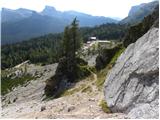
x=66 y=41
x=71 y=43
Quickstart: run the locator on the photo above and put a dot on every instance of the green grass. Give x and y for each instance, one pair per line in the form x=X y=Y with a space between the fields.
x=4 y=73
x=7 y=84
x=84 y=71
x=115 y=57
x=101 y=75
x=104 y=106
x=92 y=69
x=72 y=91
x=87 y=89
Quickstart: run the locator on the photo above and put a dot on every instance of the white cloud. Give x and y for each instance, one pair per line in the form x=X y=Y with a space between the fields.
x=111 y=8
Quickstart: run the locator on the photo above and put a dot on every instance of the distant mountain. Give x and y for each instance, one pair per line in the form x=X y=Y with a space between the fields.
x=88 y=20
x=22 y=24
x=138 y=30
x=85 y=19
x=51 y=11
x=117 y=18
x=33 y=26
x=9 y=15
x=137 y=13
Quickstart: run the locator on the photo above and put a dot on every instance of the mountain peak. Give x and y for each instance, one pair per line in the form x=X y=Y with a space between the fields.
x=50 y=11
x=49 y=8
x=23 y=9
x=6 y=9
x=138 y=12
x=144 y=6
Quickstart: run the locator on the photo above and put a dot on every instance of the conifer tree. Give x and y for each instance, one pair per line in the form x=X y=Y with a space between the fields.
x=71 y=43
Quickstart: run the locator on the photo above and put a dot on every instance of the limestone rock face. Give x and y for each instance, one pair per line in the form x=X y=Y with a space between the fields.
x=132 y=86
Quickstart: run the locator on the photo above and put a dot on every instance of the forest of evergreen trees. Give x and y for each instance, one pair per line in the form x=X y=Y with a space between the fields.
x=138 y=30
x=48 y=49
x=45 y=50
x=110 y=31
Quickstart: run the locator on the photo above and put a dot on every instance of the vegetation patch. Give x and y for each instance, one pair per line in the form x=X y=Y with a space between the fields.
x=51 y=92
x=101 y=75
x=41 y=50
x=87 y=89
x=83 y=71
x=92 y=69
x=138 y=30
x=53 y=85
x=72 y=91
x=104 y=106
x=105 y=56
x=7 y=84
x=117 y=54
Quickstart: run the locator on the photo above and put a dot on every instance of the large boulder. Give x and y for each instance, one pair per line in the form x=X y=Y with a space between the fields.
x=132 y=86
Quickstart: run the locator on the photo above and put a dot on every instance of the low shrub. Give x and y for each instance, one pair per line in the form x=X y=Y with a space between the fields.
x=7 y=83
x=104 y=106
x=106 y=55
x=80 y=61
x=53 y=85
x=87 y=89
x=72 y=91
x=101 y=74
x=82 y=72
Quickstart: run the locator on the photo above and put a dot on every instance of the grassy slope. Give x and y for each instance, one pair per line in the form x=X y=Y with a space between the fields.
x=101 y=75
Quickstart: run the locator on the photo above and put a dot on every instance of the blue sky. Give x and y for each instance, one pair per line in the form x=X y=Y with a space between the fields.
x=108 y=8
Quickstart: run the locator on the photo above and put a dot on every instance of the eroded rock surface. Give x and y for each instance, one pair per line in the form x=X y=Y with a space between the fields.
x=132 y=86
x=32 y=90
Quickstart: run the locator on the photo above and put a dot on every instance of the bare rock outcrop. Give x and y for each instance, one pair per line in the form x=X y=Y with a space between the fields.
x=132 y=86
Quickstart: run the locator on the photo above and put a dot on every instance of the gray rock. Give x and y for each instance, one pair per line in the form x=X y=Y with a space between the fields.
x=132 y=86
x=92 y=99
x=70 y=108
x=43 y=108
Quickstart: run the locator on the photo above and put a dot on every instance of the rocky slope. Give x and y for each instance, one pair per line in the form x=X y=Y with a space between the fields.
x=132 y=86
x=81 y=100
x=32 y=90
